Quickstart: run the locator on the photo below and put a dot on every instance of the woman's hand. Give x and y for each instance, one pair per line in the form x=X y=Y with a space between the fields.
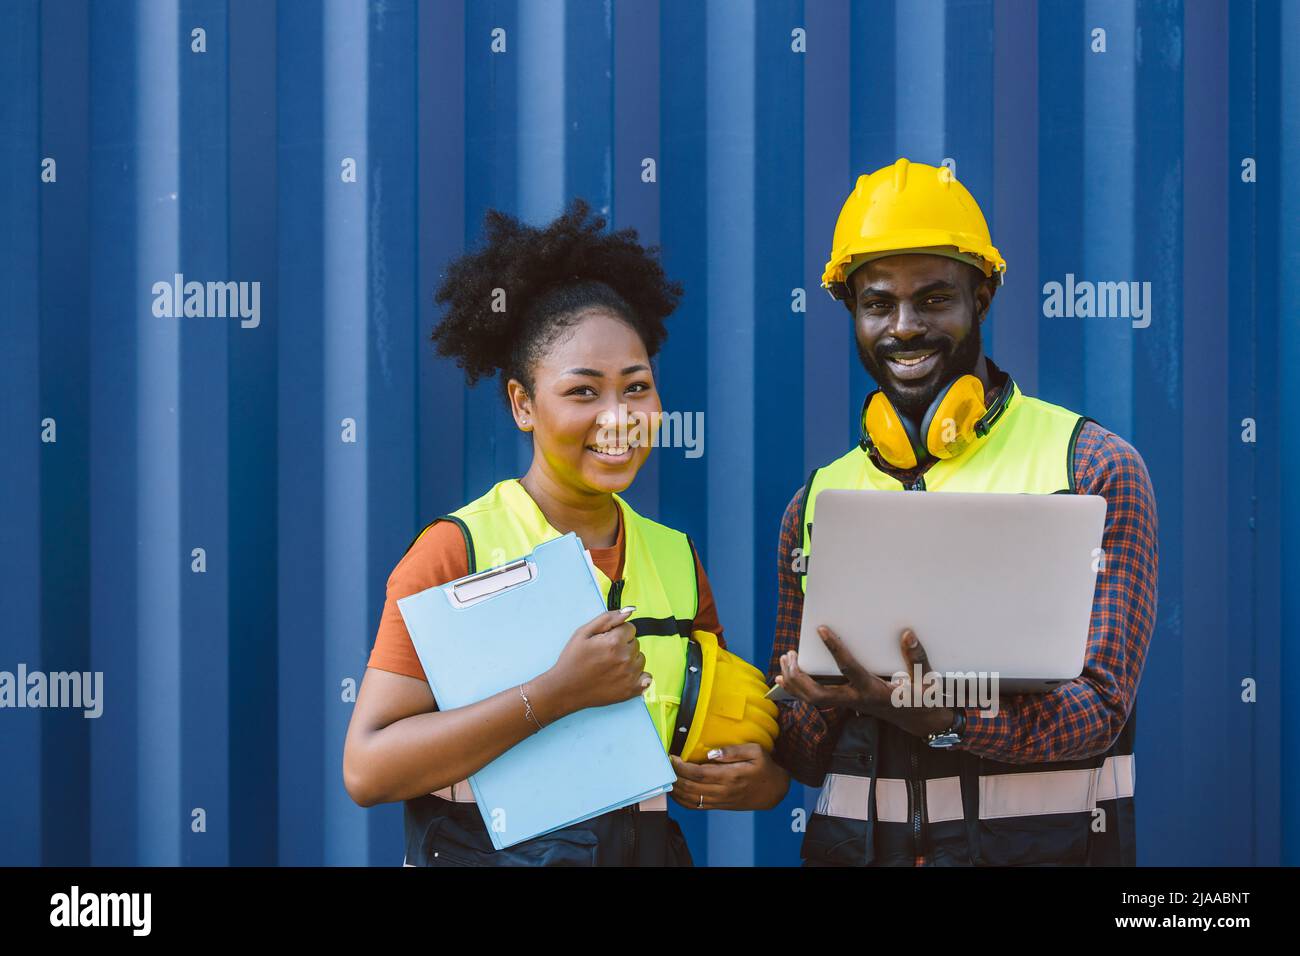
x=399 y=747
x=744 y=777
x=601 y=664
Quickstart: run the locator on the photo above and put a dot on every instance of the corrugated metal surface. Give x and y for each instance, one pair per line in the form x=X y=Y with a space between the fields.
x=223 y=688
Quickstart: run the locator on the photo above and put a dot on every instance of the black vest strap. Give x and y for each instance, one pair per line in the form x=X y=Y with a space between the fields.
x=464 y=530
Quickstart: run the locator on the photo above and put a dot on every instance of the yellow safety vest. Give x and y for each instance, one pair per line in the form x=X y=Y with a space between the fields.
x=973 y=809
x=1028 y=447
x=658 y=579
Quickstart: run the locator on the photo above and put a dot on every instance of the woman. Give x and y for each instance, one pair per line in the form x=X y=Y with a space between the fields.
x=570 y=317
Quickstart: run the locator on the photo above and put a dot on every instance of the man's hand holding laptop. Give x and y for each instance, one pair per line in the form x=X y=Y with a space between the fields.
x=864 y=691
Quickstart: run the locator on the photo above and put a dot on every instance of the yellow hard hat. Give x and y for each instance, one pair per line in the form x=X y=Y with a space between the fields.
x=910 y=207
x=723 y=703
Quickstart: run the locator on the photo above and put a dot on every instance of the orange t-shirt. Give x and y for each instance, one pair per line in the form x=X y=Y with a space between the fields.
x=440 y=556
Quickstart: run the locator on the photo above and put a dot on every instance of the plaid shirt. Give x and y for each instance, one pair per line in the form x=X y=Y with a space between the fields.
x=1078 y=719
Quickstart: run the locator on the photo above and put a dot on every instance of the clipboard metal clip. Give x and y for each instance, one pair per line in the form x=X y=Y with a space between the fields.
x=486 y=584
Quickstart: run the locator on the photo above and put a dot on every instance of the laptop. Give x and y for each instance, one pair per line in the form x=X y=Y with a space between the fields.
x=992 y=584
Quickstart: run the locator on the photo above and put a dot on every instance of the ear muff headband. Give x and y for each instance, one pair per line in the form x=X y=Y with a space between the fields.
x=950 y=425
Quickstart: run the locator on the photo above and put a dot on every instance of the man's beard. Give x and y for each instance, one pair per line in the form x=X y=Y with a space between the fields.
x=911 y=399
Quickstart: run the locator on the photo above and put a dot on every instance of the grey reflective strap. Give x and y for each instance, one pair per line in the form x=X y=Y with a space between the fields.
x=1055 y=791
x=462 y=793
x=458 y=792
x=1001 y=795
x=1118 y=778
x=844 y=795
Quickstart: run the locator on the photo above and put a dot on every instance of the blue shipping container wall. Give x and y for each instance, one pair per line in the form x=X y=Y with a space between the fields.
x=180 y=508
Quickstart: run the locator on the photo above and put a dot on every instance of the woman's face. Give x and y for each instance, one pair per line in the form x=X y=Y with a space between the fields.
x=593 y=405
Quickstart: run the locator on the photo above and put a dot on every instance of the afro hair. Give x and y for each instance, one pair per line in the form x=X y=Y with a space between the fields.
x=510 y=299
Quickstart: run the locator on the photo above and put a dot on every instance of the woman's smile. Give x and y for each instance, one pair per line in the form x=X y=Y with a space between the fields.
x=612 y=454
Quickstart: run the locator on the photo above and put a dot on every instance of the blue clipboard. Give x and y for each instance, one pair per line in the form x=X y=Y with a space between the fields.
x=493 y=630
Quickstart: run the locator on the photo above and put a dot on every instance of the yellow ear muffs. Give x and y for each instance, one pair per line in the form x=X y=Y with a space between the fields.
x=890 y=434
x=949 y=423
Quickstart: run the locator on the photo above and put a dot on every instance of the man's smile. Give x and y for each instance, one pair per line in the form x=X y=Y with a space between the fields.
x=913 y=365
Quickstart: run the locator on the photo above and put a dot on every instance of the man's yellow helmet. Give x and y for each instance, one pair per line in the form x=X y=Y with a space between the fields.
x=909 y=207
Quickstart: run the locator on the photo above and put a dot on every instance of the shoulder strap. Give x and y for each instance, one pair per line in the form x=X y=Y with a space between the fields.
x=805 y=533
x=1070 y=447
x=695 y=565
x=464 y=530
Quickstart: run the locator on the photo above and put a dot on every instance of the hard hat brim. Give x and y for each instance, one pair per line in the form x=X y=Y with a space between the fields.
x=911 y=242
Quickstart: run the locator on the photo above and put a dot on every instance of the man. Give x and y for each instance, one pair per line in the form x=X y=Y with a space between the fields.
x=1049 y=778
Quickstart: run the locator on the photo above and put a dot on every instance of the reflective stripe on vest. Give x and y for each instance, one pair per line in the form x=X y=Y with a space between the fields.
x=462 y=793
x=1029 y=449
x=1000 y=795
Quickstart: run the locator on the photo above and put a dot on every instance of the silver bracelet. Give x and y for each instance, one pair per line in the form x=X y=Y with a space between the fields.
x=528 y=708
